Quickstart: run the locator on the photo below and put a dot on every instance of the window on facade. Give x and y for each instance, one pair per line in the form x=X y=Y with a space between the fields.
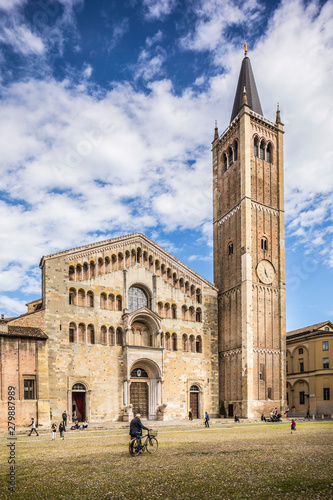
x=185 y=342
x=326 y=393
x=90 y=299
x=72 y=296
x=262 y=150
x=300 y=350
x=174 y=342
x=326 y=328
x=82 y=333
x=192 y=343
x=111 y=336
x=269 y=392
x=198 y=295
x=92 y=269
x=91 y=334
x=326 y=363
x=302 y=398
x=230 y=248
x=184 y=313
x=100 y=265
x=72 y=331
x=29 y=389
x=256 y=146
x=81 y=298
x=174 y=311
x=104 y=335
x=269 y=153
x=198 y=344
x=167 y=341
x=264 y=244
x=139 y=373
x=236 y=151
x=225 y=162
x=104 y=301
x=71 y=273
x=325 y=345
x=198 y=315
x=301 y=366
x=85 y=271
x=79 y=272
x=107 y=264
x=119 y=302
x=160 y=309
x=119 y=336
x=231 y=159
x=137 y=298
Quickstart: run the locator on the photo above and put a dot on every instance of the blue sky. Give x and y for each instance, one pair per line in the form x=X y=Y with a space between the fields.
x=107 y=112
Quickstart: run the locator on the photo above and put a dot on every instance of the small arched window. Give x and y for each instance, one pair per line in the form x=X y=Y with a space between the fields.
x=72 y=332
x=231 y=157
x=119 y=303
x=91 y=334
x=111 y=336
x=230 y=248
x=92 y=269
x=71 y=273
x=192 y=343
x=160 y=309
x=198 y=295
x=79 y=272
x=167 y=341
x=72 y=296
x=81 y=297
x=184 y=313
x=111 y=302
x=185 y=342
x=235 y=151
x=100 y=265
x=256 y=144
x=119 y=336
x=264 y=243
x=174 y=311
x=107 y=264
x=104 y=335
x=104 y=301
x=85 y=271
x=225 y=162
x=137 y=298
x=191 y=313
x=90 y=299
x=174 y=342
x=198 y=315
x=269 y=153
x=262 y=150
x=82 y=333
x=198 y=344
x=167 y=310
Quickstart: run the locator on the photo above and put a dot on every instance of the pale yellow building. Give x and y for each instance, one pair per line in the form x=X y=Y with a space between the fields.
x=310 y=370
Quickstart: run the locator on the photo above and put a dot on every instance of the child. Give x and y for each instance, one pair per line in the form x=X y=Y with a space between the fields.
x=62 y=430
x=54 y=430
x=293 y=425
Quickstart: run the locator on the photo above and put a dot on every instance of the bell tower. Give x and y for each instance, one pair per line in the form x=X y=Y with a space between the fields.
x=249 y=268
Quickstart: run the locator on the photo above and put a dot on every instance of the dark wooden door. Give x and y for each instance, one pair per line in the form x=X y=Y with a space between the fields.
x=194 y=404
x=139 y=398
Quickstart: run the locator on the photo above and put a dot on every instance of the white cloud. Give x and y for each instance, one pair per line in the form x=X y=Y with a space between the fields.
x=157 y=9
x=22 y=40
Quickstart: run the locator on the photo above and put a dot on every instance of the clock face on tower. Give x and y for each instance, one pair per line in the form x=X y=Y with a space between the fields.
x=265 y=272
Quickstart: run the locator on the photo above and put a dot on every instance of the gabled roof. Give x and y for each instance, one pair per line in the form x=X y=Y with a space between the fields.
x=309 y=329
x=24 y=331
x=116 y=243
x=246 y=79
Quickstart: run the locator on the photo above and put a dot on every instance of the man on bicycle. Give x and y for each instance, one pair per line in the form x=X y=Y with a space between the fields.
x=136 y=426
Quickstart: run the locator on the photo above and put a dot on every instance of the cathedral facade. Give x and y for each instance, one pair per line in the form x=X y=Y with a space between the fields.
x=124 y=327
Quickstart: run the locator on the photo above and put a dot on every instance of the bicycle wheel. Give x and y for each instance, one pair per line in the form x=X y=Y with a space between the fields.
x=152 y=445
x=134 y=447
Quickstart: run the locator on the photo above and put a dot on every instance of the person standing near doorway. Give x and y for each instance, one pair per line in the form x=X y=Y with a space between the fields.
x=190 y=416
x=64 y=418
x=206 y=419
x=62 y=430
x=74 y=417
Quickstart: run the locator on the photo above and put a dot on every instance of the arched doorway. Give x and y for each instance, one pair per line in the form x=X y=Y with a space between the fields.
x=144 y=392
x=194 y=400
x=139 y=391
x=79 y=401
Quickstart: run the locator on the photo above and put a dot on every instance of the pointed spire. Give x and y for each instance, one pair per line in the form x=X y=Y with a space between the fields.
x=216 y=132
x=246 y=79
x=278 y=115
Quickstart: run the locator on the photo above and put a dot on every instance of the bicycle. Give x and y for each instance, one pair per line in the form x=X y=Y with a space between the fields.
x=150 y=444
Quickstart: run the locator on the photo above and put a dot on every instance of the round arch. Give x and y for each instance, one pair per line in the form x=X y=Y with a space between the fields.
x=79 y=403
x=144 y=389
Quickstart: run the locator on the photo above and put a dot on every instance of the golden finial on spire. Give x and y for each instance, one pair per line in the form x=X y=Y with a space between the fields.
x=245 y=49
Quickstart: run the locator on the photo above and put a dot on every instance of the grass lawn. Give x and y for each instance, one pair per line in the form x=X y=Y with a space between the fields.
x=245 y=461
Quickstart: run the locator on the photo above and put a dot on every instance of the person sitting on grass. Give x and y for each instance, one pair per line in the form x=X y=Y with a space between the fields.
x=84 y=425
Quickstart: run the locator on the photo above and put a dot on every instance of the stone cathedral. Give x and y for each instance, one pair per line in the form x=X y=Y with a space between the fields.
x=125 y=327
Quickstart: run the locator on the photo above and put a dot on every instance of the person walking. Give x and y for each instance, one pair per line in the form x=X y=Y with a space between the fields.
x=54 y=431
x=190 y=416
x=74 y=417
x=206 y=419
x=293 y=425
x=64 y=419
x=33 y=427
x=62 y=430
